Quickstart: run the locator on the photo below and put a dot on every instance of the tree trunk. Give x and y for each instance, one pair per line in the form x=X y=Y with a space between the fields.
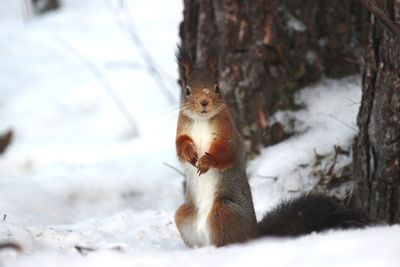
x=269 y=49
x=377 y=147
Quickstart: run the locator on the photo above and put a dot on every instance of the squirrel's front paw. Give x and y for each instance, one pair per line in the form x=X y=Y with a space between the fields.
x=189 y=154
x=204 y=164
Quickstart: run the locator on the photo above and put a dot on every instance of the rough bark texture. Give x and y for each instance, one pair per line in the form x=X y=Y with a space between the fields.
x=377 y=147
x=269 y=49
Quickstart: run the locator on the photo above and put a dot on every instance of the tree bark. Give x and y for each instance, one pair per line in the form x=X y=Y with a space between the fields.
x=377 y=147
x=269 y=49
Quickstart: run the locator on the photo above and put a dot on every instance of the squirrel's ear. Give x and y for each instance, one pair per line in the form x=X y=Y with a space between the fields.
x=184 y=63
x=212 y=63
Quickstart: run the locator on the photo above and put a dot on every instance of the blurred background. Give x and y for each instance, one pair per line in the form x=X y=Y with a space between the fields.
x=89 y=91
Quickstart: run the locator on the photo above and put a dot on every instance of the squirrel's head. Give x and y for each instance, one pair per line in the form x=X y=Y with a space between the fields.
x=201 y=96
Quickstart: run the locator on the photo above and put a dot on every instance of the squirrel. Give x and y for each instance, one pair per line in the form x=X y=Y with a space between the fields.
x=218 y=208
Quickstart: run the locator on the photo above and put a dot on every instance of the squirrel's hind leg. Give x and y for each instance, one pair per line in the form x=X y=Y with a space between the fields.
x=184 y=219
x=229 y=225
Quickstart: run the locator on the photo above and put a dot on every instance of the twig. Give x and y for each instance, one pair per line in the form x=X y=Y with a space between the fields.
x=124 y=64
x=129 y=26
x=274 y=178
x=11 y=245
x=318 y=158
x=381 y=15
x=5 y=140
x=349 y=199
x=339 y=150
x=84 y=250
x=341 y=121
x=104 y=82
x=174 y=168
x=293 y=191
x=330 y=173
x=353 y=103
x=134 y=65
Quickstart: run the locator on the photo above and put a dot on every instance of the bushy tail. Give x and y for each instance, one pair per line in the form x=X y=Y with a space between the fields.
x=310 y=213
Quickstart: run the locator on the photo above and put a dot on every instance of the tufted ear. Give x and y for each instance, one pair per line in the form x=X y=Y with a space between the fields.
x=212 y=62
x=184 y=63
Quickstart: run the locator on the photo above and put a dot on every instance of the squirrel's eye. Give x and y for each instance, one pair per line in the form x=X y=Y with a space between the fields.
x=187 y=91
x=216 y=89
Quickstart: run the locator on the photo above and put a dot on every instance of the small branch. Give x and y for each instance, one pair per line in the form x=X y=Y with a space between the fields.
x=124 y=64
x=130 y=27
x=84 y=250
x=341 y=121
x=353 y=103
x=381 y=15
x=349 y=199
x=273 y=178
x=293 y=191
x=330 y=173
x=175 y=169
x=99 y=75
x=11 y=245
x=134 y=65
x=5 y=140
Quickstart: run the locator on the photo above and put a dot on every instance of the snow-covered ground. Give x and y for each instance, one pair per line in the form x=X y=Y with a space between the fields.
x=80 y=174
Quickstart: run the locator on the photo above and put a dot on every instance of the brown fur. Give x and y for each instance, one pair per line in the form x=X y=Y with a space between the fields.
x=226 y=143
x=222 y=153
x=184 y=212
x=222 y=199
x=232 y=217
x=228 y=225
x=185 y=215
x=186 y=149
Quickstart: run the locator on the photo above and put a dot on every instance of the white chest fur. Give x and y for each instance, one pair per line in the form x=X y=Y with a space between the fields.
x=201 y=188
x=201 y=133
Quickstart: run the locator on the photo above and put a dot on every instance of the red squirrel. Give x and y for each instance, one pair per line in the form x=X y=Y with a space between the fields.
x=218 y=208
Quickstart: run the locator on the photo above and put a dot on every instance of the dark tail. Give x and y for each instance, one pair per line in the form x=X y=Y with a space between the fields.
x=310 y=213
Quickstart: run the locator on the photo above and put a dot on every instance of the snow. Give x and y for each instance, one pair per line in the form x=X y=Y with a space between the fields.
x=321 y=125
x=79 y=175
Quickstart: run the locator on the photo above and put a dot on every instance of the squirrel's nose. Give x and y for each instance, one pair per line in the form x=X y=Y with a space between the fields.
x=204 y=102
